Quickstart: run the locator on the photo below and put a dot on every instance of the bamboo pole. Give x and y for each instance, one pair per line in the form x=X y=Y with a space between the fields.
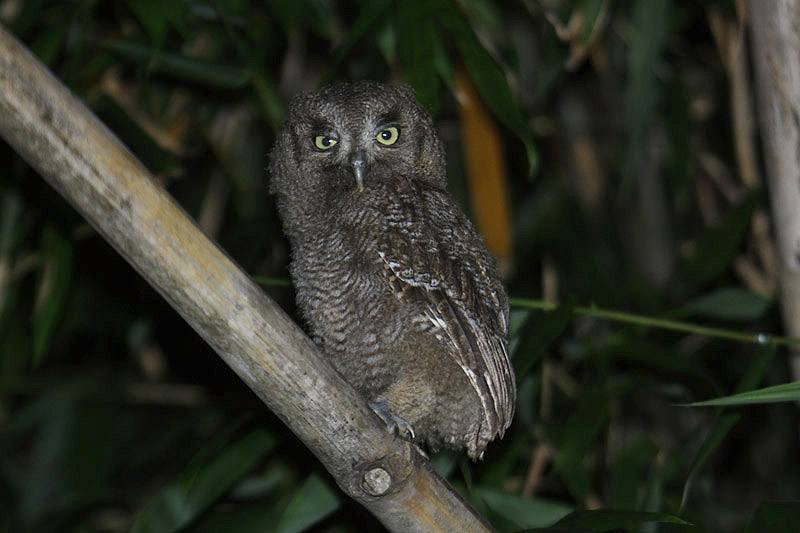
x=71 y=149
x=775 y=30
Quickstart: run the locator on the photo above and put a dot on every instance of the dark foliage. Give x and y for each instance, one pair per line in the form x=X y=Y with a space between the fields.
x=627 y=192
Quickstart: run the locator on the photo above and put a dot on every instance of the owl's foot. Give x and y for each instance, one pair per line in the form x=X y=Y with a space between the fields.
x=396 y=424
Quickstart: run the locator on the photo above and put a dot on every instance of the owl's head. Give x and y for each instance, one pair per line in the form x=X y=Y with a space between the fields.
x=348 y=138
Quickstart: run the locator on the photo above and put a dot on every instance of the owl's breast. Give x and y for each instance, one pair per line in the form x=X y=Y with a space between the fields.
x=338 y=272
x=341 y=274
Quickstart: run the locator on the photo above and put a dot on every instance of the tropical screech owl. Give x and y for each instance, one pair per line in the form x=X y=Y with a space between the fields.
x=397 y=287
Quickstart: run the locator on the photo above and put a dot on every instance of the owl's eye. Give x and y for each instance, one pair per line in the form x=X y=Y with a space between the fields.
x=388 y=136
x=324 y=142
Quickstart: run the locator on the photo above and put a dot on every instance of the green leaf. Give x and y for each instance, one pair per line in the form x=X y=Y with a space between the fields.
x=49 y=44
x=416 y=41
x=67 y=457
x=715 y=249
x=647 y=354
x=140 y=142
x=559 y=529
x=156 y=16
x=372 y=12
x=15 y=345
x=29 y=13
x=630 y=464
x=503 y=461
x=583 y=428
x=273 y=479
x=730 y=303
x=255 y=517
x=487 y=13
x=313 y=501
x=649 y=24
x=723 y=425
x=488 y=77
x=183 y=68
x=10 y=228
x=198 y=487
x=445 y=462
x=608 y=519
x=53 y=287
x=317 y=15
x=679 y=131
x=788 y=392
x=592 y=11
x=538 y=332
x=441 y=61
x=271 y=102
x=775 y=517
x=526 y=513
x=757 y=368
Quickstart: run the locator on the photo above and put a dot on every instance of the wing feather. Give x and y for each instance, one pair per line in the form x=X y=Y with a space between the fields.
x=438 y=264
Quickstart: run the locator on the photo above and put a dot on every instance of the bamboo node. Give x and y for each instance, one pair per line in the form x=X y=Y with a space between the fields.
x=376 y=481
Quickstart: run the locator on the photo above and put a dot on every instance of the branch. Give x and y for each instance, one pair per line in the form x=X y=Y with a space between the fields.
x=88 y=166
x=775 y=30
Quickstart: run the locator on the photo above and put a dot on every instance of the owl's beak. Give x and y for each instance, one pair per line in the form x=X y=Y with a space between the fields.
x=359 y=162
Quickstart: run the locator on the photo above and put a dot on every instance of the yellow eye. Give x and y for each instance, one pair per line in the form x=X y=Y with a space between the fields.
x=388 y=136
x=324 y=142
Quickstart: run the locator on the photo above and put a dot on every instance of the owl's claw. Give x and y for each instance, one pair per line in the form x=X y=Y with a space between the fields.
x=395 y=424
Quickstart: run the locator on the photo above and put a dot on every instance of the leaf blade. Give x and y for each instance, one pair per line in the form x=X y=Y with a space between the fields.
x=196 y=488
x=488 y=77
x=312 y=502
x=786 y=392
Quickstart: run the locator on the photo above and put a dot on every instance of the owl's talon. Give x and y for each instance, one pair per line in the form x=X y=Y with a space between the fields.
x=395 y=424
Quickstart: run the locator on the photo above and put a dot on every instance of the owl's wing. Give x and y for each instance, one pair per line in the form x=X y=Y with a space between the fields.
x=443 y=265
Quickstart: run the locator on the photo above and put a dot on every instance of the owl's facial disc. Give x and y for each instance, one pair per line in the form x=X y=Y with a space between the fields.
x=358 y=160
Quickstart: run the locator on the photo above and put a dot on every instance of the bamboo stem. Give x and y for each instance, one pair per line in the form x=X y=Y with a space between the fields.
x=775 y=30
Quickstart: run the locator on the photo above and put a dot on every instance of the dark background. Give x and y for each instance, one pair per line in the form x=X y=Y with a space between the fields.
x=623 y=181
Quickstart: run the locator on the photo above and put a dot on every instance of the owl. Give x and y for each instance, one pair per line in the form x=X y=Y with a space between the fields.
x=396 y=286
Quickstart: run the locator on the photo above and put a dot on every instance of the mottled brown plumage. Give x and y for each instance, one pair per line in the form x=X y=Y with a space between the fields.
x=396 y=285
